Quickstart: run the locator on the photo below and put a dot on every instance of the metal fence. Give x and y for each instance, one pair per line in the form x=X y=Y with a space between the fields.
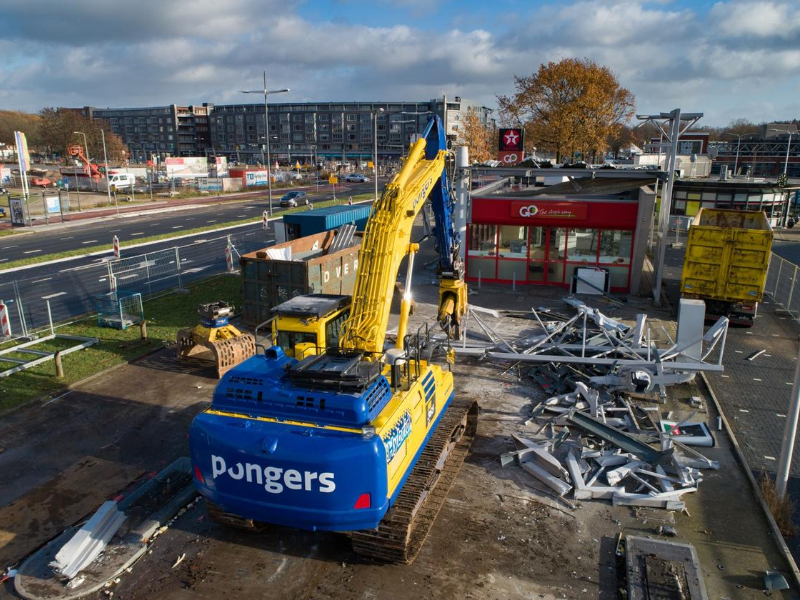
x=783 y=278
x=37 y=303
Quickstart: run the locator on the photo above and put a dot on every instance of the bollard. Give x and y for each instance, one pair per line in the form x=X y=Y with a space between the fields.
x=143 y=329
x=479 y=278
x=59 y=366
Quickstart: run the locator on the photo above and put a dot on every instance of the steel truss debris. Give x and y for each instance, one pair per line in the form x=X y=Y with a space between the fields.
x=591 y=437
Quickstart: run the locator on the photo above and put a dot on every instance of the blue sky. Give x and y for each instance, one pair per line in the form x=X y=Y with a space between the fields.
x=727 y=58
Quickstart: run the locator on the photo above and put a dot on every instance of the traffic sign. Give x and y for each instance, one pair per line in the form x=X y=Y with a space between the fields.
x=333 y=180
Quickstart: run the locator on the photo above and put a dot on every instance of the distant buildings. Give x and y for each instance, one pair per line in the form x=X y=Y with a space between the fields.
x=332 y=130
x=761 y=155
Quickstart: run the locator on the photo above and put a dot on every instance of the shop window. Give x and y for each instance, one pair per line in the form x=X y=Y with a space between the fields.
x=582 y=245
x=482 y=252
x=680 y=194
x=537 y=243
x=709 y=196
x=616 y=246
x=513 y=241
x=558 y=243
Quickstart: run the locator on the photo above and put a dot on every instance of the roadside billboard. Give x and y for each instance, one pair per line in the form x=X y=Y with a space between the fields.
x=17 y=212
x=219 y=168
x=5 y=175
x=187 y=167
x=252 y=178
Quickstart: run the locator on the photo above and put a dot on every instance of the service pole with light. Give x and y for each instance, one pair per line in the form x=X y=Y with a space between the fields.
x=664 y=120
x=266 y=93
x=738 y=145
x=375 y=148
x=788 y=147
x=108 y=178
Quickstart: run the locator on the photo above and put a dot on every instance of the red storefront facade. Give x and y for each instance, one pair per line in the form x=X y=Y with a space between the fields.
x=542 y=242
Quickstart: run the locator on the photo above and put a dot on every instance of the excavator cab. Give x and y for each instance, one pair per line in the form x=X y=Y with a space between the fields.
x=308 y=325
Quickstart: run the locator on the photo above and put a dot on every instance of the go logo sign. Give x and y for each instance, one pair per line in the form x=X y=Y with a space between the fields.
x=528 y=211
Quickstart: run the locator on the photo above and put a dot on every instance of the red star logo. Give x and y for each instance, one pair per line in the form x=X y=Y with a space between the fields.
x=511 y=138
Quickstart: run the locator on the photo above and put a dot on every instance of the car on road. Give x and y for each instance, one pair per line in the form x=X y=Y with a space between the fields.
x=357 y=178
x=294 y=199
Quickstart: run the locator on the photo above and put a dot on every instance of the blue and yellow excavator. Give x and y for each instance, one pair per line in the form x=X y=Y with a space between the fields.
x=328 y=429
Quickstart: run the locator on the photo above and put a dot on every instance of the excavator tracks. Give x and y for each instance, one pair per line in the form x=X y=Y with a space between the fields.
x=216 y=514
x=405 y=526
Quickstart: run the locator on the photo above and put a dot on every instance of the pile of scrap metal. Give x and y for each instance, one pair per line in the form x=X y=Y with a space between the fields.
x=592 y=438
x=600 y=445
x=605 y=352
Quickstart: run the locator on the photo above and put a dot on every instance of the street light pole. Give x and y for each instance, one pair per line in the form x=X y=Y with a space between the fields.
x=375 y=148
x=108 y=184
x=738 y=145
x=266 y=93
x=85 y=143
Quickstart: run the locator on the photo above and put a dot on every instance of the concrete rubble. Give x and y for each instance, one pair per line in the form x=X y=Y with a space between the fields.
x=599 y=435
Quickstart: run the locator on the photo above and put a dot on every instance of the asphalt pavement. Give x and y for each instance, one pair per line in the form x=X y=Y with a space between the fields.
x=142 y=223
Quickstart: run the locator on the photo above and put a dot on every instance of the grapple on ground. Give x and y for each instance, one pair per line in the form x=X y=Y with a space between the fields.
x=228 y=345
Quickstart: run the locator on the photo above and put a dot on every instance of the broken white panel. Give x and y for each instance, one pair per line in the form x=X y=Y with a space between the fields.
x=583 y=491
x=89 y=541
x=620 y=473
x=550 y=481
x=691 y=319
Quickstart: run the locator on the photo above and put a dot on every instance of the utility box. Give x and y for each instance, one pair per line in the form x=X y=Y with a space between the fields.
x=309 y=222
x=691 y=318
x=303 y=266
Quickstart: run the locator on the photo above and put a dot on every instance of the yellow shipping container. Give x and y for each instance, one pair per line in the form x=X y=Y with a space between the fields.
x=727 y=256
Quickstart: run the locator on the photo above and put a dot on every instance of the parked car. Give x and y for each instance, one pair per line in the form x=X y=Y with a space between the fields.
x=4 y=215
x=357 y=178
x=294 y=199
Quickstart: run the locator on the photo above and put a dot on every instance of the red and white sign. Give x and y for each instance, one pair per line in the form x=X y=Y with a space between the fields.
x=5 y=324
x=116 y=247
x=510 y=158
x=264 y=220
x=511 y=140
x=549 y=210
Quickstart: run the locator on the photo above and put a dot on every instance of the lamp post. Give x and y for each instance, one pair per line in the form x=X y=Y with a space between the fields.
x=738 y=145
x=375 y=148
x=108 y=184
x=266 y=93
x=85 y=143
x=788 y=146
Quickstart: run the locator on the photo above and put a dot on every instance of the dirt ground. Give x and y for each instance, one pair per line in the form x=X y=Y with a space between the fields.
x=497 y=536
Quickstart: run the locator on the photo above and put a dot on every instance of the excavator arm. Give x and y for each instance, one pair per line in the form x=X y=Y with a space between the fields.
x=387 y=240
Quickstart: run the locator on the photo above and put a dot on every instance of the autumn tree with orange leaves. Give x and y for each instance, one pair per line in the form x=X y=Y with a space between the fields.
x=477 y=137
x=569 y=107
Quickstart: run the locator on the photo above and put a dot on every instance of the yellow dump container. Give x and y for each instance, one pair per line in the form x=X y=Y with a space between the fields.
x=727 y=256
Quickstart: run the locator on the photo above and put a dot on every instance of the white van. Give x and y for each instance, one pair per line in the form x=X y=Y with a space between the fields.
x=121 y=181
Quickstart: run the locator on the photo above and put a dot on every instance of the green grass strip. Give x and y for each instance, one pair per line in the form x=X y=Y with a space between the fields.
x=165 y=316
x=165 y=236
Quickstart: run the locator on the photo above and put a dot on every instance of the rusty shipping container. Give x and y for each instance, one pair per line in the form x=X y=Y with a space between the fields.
x=294 y=268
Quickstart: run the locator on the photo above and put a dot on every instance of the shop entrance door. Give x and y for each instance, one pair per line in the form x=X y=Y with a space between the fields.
x=545 y=255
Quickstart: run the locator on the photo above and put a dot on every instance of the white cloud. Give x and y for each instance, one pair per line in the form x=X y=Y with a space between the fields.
x=757 y=18
x=167 y=51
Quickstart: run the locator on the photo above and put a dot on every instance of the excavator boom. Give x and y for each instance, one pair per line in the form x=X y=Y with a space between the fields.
x=387 y=240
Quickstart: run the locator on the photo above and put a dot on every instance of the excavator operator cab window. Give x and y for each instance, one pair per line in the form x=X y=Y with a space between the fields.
x=333 y=329
x=289 y=339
